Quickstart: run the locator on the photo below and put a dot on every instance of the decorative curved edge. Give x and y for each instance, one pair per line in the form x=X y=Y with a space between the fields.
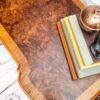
x=24 y=70
x=79 y=4
x=90 y=92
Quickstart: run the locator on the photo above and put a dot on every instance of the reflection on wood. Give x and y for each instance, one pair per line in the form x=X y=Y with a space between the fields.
x=23 y=69
x=32 y=25
x=90 y=92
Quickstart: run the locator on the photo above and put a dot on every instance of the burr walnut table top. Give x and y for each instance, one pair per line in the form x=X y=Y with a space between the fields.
x=32 y=25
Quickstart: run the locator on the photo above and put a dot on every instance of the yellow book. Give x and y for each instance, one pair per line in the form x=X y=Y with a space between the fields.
x=75 y=47
x=73 y=42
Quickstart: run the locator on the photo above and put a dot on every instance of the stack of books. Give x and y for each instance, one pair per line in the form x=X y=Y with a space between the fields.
x=9 y=86
x=76 y=43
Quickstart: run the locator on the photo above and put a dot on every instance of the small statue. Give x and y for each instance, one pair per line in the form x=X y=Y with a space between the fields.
x=90 y=22
x=95 y=47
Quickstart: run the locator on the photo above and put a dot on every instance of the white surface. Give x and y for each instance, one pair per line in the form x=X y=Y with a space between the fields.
x=9 y=87
x=4 y=55
x=91 y=2
x=14 y=93
x=8 y=79
x=8 y=66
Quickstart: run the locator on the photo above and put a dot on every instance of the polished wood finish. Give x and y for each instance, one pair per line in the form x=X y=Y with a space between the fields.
x=32 y=25
x=23 y=67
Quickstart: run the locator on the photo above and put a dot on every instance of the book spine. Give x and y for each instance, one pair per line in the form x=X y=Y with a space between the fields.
x=73 y=42
x=4 y=55
x=68 y=43
x=82 y=46
x=70 y=63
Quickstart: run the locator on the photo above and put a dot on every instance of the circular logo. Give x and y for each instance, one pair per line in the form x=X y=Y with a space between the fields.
x=12 y=96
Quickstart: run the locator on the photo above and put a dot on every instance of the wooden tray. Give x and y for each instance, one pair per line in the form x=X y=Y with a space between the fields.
x=96 y=96
x=91 y=93
x=23 y=69
x=79 y=4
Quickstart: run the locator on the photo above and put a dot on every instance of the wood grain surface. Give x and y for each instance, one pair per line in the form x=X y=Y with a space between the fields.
x=23 y=67
x=32 y=25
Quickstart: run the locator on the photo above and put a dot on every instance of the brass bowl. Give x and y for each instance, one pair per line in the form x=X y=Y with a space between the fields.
x=90 y=18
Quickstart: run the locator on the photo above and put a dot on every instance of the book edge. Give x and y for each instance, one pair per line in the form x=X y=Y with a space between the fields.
x=70 y=63
x=73 y=42
x=86 y=51
x=80 y=73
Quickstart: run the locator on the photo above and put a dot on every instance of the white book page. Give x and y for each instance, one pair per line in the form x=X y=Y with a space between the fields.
x=91 y=2
x=8 y=79
x=8 y=66
x=14 y=93
x=4 y=55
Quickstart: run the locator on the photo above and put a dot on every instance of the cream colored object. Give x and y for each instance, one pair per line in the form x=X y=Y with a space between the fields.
x=90 y=92
x=7 y=80
x=73 y=42
x=4 y=55
x=75 y=47
x=14 y=93
x=9 y=86
x=7 y=67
